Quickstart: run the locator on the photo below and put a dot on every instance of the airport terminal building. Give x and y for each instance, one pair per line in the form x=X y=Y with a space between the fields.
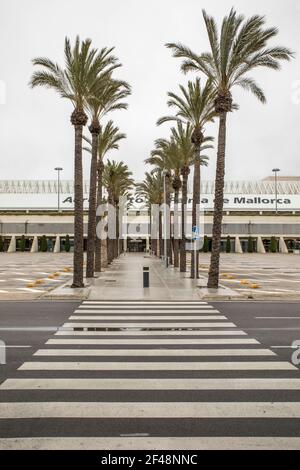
x=29 y=209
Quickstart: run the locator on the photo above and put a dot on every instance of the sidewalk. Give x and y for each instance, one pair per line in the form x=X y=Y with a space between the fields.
x=123 y=280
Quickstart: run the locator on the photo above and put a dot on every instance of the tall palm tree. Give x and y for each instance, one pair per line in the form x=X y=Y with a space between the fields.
x=152 y=189
x=108 y=97
x=74 y=82
x=195 y=105
x=240 y=48
x=108 y=139
x=117 y=181
x=182 y=136
x=162 y=158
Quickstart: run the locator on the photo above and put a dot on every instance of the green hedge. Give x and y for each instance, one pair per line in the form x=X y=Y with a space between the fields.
x=67 y=244
x=228 y=245
x=273 y=245
x=44 y=243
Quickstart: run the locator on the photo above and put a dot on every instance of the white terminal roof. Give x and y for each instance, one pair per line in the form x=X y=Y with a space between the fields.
x=284 y=187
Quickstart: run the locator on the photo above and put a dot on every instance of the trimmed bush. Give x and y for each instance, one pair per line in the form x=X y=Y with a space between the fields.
x=228 y=245
x=250 y=245
x=67 y=244
x=22 y=243
x=44 y=243
x=205 y=244
x=273 y=245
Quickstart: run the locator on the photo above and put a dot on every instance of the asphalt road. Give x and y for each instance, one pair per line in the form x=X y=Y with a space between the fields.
x=25 y=326
x=218 y=380
x=274 y=324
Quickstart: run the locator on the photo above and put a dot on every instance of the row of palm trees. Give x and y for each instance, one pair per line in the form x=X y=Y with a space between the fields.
x=87 y=81
x=240 y=47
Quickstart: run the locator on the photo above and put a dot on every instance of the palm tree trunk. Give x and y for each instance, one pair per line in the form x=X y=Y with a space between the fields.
x=78 y=119
x=183 y=213
x=176 y=241
x=213 y=276
x=98 y=243
x=110 y=242
x=161 y=245
x=168 y=203
x=116 y=241
x=196 y=202
x=90 y=255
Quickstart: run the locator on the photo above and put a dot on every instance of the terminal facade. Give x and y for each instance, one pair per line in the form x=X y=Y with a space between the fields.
x=29 y=209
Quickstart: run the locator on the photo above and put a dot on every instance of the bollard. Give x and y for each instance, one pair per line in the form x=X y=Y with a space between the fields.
x=146 y=276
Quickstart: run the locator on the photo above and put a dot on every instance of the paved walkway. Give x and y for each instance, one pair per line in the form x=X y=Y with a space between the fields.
x=124 y=280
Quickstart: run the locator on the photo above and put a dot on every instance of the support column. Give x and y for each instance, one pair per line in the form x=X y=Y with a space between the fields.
x=56 y=248
x=282 y=246
x=260 y=246
x=12 y=245
x=238 y=246
x=147 y=244
x=125 y=243
x=35 y=245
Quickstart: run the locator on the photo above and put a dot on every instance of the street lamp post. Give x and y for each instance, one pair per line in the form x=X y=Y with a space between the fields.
x=275 y=171
x=165 y=173
x=58 y=169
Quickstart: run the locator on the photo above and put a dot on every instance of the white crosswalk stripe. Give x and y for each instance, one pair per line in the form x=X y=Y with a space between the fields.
x=154 y=352
x=145 y=361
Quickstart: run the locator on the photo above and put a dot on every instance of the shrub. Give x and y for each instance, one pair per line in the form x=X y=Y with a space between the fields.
x=273 y=245
x=22 y=243
x=44 y=243
x=205 y=244
x=250 y=245
x=228 y=245
x=67 y=244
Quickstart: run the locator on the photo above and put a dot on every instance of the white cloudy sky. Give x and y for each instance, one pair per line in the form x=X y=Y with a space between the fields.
x=35 y=131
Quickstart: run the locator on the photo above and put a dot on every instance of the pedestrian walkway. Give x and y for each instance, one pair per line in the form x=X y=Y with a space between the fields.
x=151 y=375
x=124 y=280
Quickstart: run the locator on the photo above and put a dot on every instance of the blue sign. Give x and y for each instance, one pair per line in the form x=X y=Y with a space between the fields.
x=196 y=232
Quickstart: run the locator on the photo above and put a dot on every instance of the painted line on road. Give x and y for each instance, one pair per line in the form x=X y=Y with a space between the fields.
x=132 y=311
x=150 y=443
x=138 y=332
x=124 y=366
x=154 y=324
x=174 y=307
x=131 y=410
x=174 y=340
x=150 y=384
x=142 y=302
x=278 y=318
x=154 y=352
x=146 y=317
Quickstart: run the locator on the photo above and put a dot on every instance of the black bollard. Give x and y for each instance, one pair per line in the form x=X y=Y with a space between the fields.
x=146 y=276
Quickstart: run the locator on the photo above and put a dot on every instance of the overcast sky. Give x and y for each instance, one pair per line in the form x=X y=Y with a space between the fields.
x=35 y=131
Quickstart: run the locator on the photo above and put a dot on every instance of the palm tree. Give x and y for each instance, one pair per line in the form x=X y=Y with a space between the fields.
x=182 y=136
x=162 y=158
x=152 y=189
x=74 y=83
x=107 y=96
x=240 y=48
x=108 y=139
x=195 y=106
x=117 y=181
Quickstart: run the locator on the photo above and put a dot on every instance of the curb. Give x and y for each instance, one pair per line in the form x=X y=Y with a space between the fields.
x=66 y=292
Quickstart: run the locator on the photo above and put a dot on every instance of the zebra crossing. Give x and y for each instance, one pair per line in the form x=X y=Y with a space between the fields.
x=151 y=375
